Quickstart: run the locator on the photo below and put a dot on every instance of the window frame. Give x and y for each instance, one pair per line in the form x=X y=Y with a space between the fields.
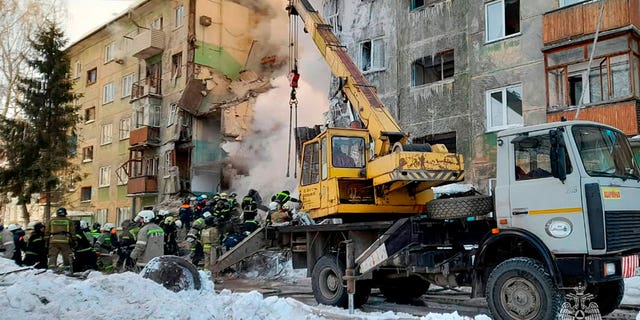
x=562 y=3
x=106 y=134
x=504 y=124
x=503 y=21
x=78 y=70
x=425 y=68
x=87 y=154
x=109 y=52
x=83 y=192
x=102 y=215
x=127 y=89
x=104 y=177
x=414 y=7
x=173 y=114
x=122 y=214
x=178 y=16
x=108 y=93
x=93 y=71
x=373 y=55
x=87 y=112
x=154 y=23
x=121 y=177
x=176 y=65
x=124 y=130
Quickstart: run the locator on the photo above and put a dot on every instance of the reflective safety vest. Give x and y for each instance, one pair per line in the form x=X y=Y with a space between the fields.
x=60 y=230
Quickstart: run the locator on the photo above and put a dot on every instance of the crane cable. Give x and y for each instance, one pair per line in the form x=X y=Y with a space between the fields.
x=294 y=76
x=593 y=50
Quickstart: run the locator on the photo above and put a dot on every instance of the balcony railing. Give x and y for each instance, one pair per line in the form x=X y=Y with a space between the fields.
x=579 y=20
x=148 y=44
x=144 y=136
x=145 y=184
x=146 y=87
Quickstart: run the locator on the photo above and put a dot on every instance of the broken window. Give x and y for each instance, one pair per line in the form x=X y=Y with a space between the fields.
x=502 y=19
x=332 y=16
x=575 y=89
x=176 y=65
x=92 y=76
x=148 y=116
x=173 y=114
x=87 y=154
x=504 y=107
x=565 y=3
x=85 y=194
x=417 y=4
x=310 y=164
x=372 y=55
x=432 y=68
x=122 y=177
x=90 y=114
x=169 y=162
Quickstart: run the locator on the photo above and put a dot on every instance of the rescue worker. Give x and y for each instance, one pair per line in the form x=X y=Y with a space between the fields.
x=222 y=214
x=252 y=197
x=200 y=207
x=210 y=241
x=282 y=216
x=170 y=227
x=95 y=232
x=105 y=245
x=84 y=254
x=60 y=234
x=19 y=245
x=7 y=240
x=127 y=242
x=232 y=201
x=194 y=237
x=29 y=230
x=283 y=197
x=184 y=214
x=149 y=243
x=249 y=222
x=36 y=253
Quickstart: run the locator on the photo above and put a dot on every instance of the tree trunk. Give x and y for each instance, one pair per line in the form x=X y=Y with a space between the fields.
x=47 y=208
x=25 y=213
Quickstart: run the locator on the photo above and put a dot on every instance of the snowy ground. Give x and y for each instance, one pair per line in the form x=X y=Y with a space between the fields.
x=28 y=295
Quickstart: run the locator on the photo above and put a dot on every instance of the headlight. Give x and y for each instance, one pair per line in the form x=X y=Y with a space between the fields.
x=609 y=269
x=559 y=227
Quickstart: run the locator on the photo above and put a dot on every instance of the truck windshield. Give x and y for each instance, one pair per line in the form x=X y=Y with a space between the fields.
x=605 y=152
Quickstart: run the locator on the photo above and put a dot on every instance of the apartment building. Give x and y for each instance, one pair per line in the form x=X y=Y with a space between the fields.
x=162 y=86
x=456 y=72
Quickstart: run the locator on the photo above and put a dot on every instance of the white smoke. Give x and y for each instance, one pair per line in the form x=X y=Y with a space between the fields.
x=261 y=158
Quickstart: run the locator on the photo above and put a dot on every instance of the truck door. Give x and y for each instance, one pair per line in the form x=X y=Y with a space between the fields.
x=546 y=206
x=310 y=176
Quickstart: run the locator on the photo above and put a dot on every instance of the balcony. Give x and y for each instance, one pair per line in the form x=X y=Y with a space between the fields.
x=580 y=20
x=143 y=184
x=148 y=44
x=144 y=136
x=150 y=87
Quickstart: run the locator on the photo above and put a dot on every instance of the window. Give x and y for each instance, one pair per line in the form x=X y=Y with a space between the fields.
x=332 y=16
x=108 y=93
x=565 y=3
x=109 y=51
x=90 y=114
x=127 y=82
x=147 y=116
x=347 y=152
x=173 y=114
x=532 y=159
x=432 y=68
x=106 y=134
x=78 y=70
x=87 y=154
x=169 y=162
x=104 y=179
x=122 y=214
x=85 y=194
x=125 y=128
x=179 y=16
x=101 y=216
x=176 y=65
x=121 y=176
x=504 y=107
x=372 y=55
x=605 y=152
x=323 y=155
x=92 y=76
x=310 y=165
x=417 y=4
x=157 y=24
x=502 y=19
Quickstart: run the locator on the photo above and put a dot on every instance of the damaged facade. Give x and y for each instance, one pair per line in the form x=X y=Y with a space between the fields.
x=456 y=72
x=163 y=85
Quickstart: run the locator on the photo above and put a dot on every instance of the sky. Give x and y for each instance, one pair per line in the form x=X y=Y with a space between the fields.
x=84 y=16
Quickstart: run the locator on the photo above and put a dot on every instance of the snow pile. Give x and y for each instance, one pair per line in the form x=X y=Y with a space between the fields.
x=35 y=295
x=453 y=188
x=632 y=291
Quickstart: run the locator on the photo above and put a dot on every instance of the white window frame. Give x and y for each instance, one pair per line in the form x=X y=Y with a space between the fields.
x=486 y=23
x=109 y=52
x=78 y=70
x=101 y=216
x=156 y=24
x=122 y=214
x=108 y=93
x=566 y=3
x=106 y=134
x=87 y=159
x=173 y=114
x=504 y=124
x=150 y=114
x=127 y=83
x=104 y=177
x=124 y=131
x=86 y=113
x=374 y=55
x=178 y=15
x=121 y=176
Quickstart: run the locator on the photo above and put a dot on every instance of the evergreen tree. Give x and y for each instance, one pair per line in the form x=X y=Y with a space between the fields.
x=38 y=142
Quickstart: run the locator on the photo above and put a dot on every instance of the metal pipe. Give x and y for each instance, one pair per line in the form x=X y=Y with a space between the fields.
x=350 y=273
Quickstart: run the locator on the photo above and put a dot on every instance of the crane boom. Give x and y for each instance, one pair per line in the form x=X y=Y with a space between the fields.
x=363 y=97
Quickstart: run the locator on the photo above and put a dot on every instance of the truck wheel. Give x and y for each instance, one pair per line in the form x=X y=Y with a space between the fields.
x=462 y=207
x=404 y=290
x=608 y=295
x=174 y=273
x=329 y=288
x=521 y=288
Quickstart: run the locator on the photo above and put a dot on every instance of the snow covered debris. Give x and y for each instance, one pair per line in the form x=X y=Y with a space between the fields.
x=453 y=188
x=34 y=294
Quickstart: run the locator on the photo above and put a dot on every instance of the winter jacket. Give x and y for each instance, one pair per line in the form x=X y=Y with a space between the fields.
x=185 y=213
x=150 y=244
x=107 y=242
x=7 y=242
x=19 y=246
x=60 y=230
x=36 y=253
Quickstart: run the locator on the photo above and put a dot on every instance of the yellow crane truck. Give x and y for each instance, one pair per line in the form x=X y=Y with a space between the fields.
x=563 y=218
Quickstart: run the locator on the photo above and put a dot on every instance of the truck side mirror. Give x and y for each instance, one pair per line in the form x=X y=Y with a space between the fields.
x=557 y=155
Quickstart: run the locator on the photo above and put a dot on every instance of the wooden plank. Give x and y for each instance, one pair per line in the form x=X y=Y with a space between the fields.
x=615 y=15
x=622 y=116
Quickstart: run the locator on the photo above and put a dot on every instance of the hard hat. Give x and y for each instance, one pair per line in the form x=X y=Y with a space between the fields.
x=223 y=195
x=169 y=220
x=84 y=224
x=163 y=213
x=13 y=227
x=233 y=195
x=38 y=225
x=108 y=226
x=178 y=223
x=207 y=214
x=273 y=205
x=61 y=212
x=145 y=216
x=31 y=225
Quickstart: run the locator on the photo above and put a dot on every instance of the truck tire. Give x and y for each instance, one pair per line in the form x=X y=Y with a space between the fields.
x=521 y=288
x=329 y=288
x=453 y=208
x=608 y=295
x=404 y=290
x=174 y=273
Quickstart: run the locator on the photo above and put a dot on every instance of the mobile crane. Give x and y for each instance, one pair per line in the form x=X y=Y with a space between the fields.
x=563 y=217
